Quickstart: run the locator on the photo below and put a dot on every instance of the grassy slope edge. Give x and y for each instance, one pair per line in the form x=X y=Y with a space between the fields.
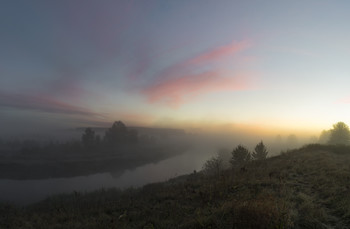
x=304 y=188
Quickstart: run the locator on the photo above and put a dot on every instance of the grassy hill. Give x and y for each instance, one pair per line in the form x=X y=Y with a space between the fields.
x=304 y=188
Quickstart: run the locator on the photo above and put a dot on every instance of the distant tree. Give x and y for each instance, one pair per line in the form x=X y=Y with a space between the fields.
x=278 y=140
x=260 y=152
x=116 y=134
x=88 y=138
x=324 y=136
x=340 y=134
x=292 y=140
x=119 y=134
x=240 y=155
x=213 y=166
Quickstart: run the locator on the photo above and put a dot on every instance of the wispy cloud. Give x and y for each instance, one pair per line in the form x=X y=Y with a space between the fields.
x=220 y=53
x=186 y=80
x=176 y=91
x=211 y=56
x=42 y=103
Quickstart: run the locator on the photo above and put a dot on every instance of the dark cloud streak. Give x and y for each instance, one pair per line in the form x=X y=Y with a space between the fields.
x=42 y=103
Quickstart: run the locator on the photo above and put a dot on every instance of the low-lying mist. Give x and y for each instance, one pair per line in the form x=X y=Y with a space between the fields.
x=86 y=159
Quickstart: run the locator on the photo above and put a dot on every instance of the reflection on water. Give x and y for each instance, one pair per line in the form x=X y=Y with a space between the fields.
x=30 y=191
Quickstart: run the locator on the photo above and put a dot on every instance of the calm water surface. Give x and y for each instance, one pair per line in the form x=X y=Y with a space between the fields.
x=30 y=191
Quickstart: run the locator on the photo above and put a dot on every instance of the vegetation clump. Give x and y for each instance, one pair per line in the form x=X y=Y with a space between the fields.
x=240 y=155
x=119 y=134
x=260 y=151
x=89 y=139
x=213 y=166
x=340 y=134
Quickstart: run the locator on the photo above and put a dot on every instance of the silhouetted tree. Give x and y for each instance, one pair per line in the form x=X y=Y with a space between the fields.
x=240 y=155
x=340 y=134
x=88 y=138
x=116 y=134
x=260 y=152
x=119 y=134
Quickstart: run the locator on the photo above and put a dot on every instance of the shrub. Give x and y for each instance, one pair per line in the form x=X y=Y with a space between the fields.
x=213 y=166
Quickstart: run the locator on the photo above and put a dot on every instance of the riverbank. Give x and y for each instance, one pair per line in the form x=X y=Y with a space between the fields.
x=301 y=188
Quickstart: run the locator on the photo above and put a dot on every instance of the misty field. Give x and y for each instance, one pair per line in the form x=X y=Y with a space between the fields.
x=304 y=188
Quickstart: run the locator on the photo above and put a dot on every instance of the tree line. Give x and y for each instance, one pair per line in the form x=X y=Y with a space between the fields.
x=239 y=156
x=118 y=135
x=115 y=136
x=339 y=134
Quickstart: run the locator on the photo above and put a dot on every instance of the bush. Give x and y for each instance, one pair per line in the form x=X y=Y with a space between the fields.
x=213 y=166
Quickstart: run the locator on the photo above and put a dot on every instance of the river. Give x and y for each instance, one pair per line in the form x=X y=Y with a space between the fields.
x=31 y=191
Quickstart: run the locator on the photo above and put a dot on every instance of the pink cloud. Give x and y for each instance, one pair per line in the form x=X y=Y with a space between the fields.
x=183 y=67
x=41 y=103
x=176 y=91
x=180 y=82
x=220 y=52
x=209 y=57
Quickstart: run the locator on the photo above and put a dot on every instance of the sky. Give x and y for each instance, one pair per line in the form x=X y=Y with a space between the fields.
x=195 y=64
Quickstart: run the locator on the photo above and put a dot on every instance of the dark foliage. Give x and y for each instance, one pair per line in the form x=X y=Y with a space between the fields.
x=89 y=139
x=119 y=134
x=340 y=134
x=260 y=152
x=240 y=155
